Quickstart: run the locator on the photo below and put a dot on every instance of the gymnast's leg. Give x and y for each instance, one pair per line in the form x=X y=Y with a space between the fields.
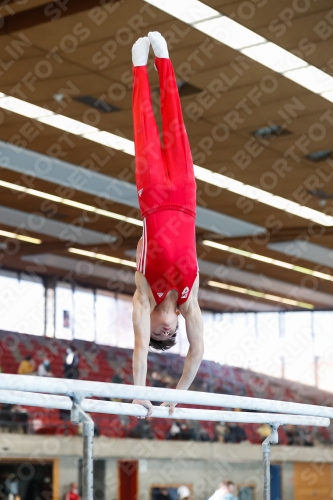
x=150 y=166
x=176 y=149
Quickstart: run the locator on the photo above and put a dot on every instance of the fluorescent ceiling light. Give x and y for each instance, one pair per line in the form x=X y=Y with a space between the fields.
x=100 y=256
x=229 y=32
x=267 y=260
x=64 y=123
x=22 y=107
x=120 y=143
x=129 y=149
x=21 y=237
x=311 y=78
x=238 y=37
x=261 y=295
x=271 y=55
x=72 y=203
x=189 y=11
x=328 y=95
x=111 y=140
x=262 y=196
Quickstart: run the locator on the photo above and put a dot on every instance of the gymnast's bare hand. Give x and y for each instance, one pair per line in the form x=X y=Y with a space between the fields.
x=147 y=404
x=171 y=406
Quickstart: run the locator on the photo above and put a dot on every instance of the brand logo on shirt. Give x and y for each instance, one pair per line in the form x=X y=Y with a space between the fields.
x=140 y=192
x=160 y=294
x=185 y=292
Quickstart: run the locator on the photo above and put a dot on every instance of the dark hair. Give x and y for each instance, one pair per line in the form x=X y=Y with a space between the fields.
x=228 y=483
x=164 y=345
x=28 y=357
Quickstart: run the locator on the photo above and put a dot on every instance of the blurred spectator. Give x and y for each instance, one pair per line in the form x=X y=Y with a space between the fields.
x=224 y=492
x=235 y=433
x=10 y=487
x=186 y=431
x=13 y=418
x=124 y=420
x=221 y=429
x=73 y=493
x=156 y=380
x=118 y=377
x=204 y=436
x=306 y=436
x=27 y=366
x=183 y=493
x=199 y=434
x=231 y=490
x=321 y=438
x=182 y=431
x=206 y=386
x=142 y=429
x=44 y=369
x=163 y=494
x=264 y=431
x=174 y=431
x=97 y=431
x=166 y=381
x=293 y=435
x=71 y=365
x=20 y=418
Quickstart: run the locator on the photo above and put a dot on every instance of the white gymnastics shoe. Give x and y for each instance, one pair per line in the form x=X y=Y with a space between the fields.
x=140 y=51
x=159 y=44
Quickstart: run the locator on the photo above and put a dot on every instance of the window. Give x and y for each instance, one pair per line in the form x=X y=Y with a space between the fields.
x=266 y=355
x=22 y=303
x=30 y=313
x=64 y=321
x=9 y=297
x=323 y=348
x=50 y=312
x=84 y=314
x=124 y=327
x=106 y=314
x=298 y=347
x=212 y=337
x=182 y=342
x=299 y=343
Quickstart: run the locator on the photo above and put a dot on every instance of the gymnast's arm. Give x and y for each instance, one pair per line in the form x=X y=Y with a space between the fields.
x=194 y=329
x=141 y=326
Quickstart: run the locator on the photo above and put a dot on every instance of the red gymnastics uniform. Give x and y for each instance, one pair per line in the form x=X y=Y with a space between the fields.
x=166 y=187
x=72 y=496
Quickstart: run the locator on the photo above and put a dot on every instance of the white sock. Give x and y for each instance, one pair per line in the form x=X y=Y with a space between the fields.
x=159 y=44
x=140 y=51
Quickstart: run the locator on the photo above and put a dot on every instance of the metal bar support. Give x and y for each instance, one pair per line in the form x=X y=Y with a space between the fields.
x=77 y=416
x=66 y=387
x=273 y=438
x=107 y=407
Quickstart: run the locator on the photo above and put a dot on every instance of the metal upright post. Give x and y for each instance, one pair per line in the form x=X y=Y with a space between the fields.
x=77 y=416
x=266 y=450
x=88 y=462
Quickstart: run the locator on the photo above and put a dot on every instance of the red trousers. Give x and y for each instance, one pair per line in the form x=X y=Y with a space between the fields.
x=164 y=176
x=166 y=187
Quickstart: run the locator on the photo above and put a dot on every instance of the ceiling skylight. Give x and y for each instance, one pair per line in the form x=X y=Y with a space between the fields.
x=267 y=260
x=229 y=32
x=237 y=36
x=261 y=295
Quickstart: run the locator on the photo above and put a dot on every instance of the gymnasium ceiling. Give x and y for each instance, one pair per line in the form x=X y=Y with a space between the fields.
x=53 y=54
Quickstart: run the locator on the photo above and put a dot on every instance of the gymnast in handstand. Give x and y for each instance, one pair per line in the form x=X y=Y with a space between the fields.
x=167 y=276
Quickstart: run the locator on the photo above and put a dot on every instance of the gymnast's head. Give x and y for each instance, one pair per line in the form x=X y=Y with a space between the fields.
x=163 y=328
